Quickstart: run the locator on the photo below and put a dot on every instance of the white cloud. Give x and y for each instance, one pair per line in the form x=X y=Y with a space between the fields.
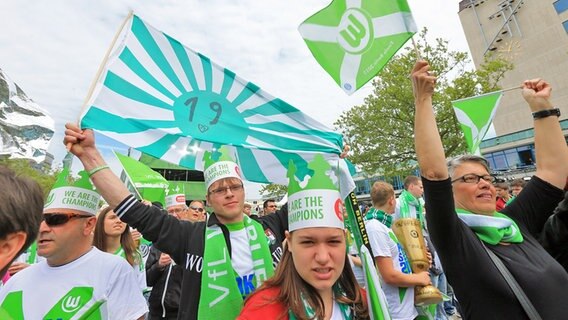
x=53 y=49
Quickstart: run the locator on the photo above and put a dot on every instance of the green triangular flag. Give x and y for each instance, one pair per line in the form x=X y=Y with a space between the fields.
x=354 y=40
x=475 y=115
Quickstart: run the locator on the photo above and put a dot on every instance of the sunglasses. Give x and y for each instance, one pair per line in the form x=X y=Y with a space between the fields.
x=196 y=209
x=57 y=219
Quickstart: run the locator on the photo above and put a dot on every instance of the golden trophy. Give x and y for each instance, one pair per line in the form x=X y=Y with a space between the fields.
x=409 y=233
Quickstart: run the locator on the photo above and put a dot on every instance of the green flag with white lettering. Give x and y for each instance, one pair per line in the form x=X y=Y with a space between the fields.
x=475 y=115
x=354 y=40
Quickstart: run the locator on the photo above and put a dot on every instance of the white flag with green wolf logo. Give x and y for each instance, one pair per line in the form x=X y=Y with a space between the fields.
x=353 y=40
x=475 y=115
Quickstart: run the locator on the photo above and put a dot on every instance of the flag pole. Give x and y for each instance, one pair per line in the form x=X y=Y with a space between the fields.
x=511 y=89
x=101 y=67
x=418 y=56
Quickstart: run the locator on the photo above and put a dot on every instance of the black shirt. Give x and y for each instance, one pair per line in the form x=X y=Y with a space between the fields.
x=480 y=288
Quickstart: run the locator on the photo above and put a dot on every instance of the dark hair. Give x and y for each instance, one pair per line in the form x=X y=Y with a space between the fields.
x=502 y=185
x=518 y=183
x=128 y=245
x=293 y=287
x=21 y=206
x=265 y=204
x=410 y=180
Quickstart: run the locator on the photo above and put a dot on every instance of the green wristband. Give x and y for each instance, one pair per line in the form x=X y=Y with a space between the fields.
x=97 y=169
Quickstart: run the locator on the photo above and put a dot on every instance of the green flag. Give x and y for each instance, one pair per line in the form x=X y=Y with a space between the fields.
x=147 y=183
x=354 y=40
x=475 y=115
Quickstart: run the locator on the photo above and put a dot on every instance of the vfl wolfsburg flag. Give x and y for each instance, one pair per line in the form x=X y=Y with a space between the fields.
x=353 y=40
x=149 y=184
x=475 y=115
x=168 y=101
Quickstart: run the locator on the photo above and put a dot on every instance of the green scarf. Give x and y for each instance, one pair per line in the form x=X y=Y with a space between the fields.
x=377 y=214
x=345 y=311
x=406 y=200
x=492 y=229
x=220 y=295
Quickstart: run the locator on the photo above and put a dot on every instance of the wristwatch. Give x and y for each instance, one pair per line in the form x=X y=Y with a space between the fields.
x=546 y=113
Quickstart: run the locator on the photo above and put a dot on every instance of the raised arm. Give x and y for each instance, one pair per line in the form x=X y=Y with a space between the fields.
x=82 y=145
x=427 y=141
x=550 y=145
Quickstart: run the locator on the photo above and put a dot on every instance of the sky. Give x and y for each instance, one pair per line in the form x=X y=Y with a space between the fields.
x=52 y=49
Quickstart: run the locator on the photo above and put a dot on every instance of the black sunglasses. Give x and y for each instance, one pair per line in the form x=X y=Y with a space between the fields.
x=197 y=209
x=57 y=219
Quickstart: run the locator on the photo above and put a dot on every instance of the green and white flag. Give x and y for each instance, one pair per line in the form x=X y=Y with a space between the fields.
x=168 y=101
x=353 y=40
x=147 y=183
x=475 y=115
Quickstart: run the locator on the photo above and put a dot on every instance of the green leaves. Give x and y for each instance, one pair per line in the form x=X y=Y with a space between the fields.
x=380 y=132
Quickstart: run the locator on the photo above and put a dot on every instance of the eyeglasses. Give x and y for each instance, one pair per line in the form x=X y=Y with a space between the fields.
x=196 y=209
x=273 y=206
x=57 y=219
x=176 y=210
x=223 y=191
x=474 y=178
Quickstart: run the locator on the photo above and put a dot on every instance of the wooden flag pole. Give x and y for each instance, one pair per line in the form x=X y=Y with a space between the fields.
x=418 y=56
x=100 y=70
x=511 y=89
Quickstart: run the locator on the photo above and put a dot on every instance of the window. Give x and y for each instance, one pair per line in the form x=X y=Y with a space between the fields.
x=561 y=6
x=565 y=24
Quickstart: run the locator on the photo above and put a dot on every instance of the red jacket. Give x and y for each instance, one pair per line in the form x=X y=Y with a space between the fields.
x=261 y=306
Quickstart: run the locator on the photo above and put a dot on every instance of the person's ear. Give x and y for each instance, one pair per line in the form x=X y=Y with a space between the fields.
x=90 y=224
x=10 y=246
x=287 y=240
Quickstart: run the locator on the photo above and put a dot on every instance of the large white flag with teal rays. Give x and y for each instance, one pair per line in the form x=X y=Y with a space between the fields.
x=353 y=39
x=475 y=115
x=166 y=100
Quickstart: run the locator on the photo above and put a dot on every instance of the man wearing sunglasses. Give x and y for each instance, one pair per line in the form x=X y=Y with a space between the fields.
x=75 y=279
x=225 y=258
x=196 y=211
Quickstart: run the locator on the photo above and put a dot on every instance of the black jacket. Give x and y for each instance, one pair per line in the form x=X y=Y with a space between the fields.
x=184 y=242
x=166 y=286
x=554 y=236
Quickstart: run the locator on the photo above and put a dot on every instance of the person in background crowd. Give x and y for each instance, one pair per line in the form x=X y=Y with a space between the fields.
x=113 y=236
x=390 y=258
x=175 y=203
x=517 y=186
x=503 y=196
x=247 y=207
x=195 y=212
x=269 y=207
x=215 y=253
x=165 y=278
x=21 y=207
x=465 y=187
x=408 y=203
x=314 y=280
x=554 y=236
x=75 y=279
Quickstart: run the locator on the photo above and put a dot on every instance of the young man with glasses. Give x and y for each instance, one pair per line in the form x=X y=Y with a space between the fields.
x=224 y=258
x=75 y=279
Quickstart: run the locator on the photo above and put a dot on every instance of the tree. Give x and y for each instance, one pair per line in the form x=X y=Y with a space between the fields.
x=273 y=189
x=22 y=167
x=380 y=132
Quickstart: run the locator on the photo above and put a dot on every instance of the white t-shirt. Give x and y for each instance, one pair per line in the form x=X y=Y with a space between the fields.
x=241 y=259
x=99 y=282
x=385 y=244
x=139 y=269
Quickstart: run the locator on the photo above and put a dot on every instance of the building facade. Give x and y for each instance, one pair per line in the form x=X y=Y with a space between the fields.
x=533 y=35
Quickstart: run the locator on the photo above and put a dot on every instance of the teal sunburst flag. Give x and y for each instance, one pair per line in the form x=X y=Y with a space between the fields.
x=166 y=100
x=354 y=40
x=475 y=115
